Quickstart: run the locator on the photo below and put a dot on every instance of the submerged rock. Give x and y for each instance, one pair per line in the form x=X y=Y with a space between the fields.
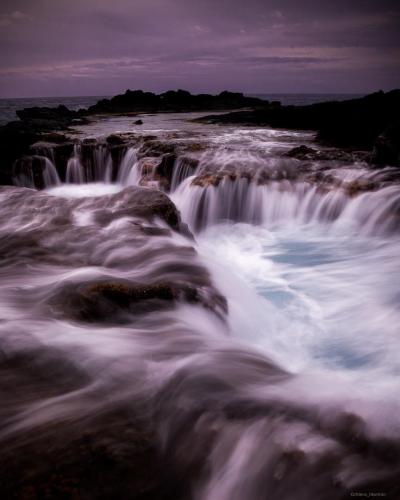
x=116 y=301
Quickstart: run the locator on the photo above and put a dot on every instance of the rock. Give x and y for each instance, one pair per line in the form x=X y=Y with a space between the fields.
x=115 y=139
x=36 y=125
x=143 y=203
x=54 y=138
x=15 y=139
x=30 y=167
x=353 y=124
x=111 y=300
x=387 y=146
x=156 y=148
x=207 y=180
x=45 y=113
x=310 y=154
x=165 y=169
x=114 y=454
x=360 y=186
x=138 y=122
x=134 y=101
x=302 y=153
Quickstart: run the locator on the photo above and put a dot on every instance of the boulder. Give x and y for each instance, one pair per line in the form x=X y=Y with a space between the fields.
x=111 y=300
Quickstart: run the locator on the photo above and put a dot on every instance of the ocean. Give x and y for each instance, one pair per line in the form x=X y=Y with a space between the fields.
x=8 y=107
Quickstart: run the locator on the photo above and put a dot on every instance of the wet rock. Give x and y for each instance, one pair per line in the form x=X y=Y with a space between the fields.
x=116 y=139
x=302 y=152
x=360 y=186
x=207 y=180
x=156 y=148
x=144 y=203
x=195 y=147
x=32 y=169
x=113 y=454
x=164 y=171
x=147 y=166
x=36 y=125
x=54 y=138
x=117 y=300
x=306 y=153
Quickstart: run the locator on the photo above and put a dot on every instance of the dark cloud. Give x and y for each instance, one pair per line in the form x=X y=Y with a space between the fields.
x=104 y=46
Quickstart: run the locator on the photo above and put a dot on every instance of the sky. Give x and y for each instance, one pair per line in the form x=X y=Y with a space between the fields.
x=103 y=47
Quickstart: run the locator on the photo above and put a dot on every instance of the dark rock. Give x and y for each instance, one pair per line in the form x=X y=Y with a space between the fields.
x=44 y=113
x=301 y=153
x=30 y=167
x=143 y=203
x=113 y=454
x=54 y=138
x=354 y=123
x=164 y=170
x=115 y=139
x=173 y=100
x=156 y=148
x=15 y=139
x=387 y=146
x=138 y=122
x=306 y=153
x=111 y=300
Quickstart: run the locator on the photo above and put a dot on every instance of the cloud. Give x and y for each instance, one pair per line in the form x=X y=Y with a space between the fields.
x=13 y=18
x=271 y=44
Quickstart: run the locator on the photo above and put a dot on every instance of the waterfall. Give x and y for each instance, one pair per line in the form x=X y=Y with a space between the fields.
x=89 y=164
x=184 y=168
x=241 y=200
x=36 y=172
x=75 y=172
x=50 y=175
x=129 y=173
x=102 y=164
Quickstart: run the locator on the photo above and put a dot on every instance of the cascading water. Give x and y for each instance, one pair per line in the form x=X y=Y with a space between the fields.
x=287 y=202
x=259 y=360
x=75 y=172
x=129 y=173
x=35 y=170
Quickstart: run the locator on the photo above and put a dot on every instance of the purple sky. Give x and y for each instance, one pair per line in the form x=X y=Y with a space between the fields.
x=102 y=47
